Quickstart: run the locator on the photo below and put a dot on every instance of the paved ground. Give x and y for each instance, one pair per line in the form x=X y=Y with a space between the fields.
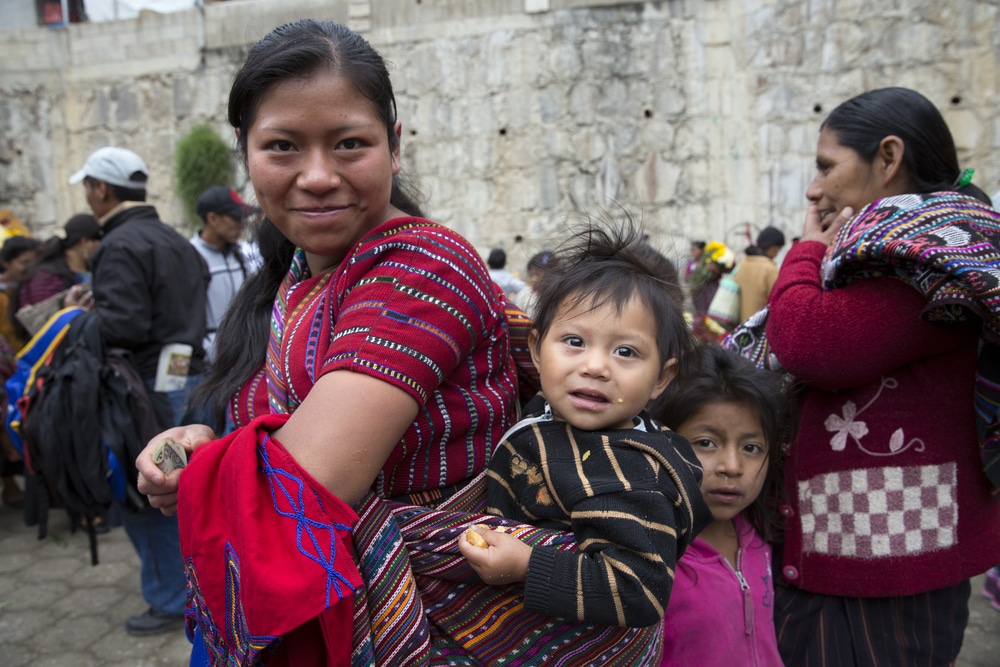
x=58 y=611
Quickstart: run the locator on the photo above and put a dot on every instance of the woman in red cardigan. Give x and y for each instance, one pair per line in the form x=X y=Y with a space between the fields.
x=879 y=317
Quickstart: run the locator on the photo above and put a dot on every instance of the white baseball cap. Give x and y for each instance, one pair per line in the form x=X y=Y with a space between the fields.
x=115 y=166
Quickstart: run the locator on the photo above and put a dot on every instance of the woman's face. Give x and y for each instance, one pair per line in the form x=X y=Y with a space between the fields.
x=18 y=267
x=842 y=179
x=321 y=165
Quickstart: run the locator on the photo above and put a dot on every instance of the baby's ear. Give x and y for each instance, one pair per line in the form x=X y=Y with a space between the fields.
x=533 y=347
x=667 y=374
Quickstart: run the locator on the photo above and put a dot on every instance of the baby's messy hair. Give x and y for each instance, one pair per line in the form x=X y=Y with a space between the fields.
x=611 y=262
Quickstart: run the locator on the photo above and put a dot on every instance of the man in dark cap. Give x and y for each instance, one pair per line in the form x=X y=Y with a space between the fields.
x=223 y=215
x=758 y=272
x=149 y=295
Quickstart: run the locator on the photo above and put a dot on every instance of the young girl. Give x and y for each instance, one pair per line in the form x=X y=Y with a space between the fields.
x=721 y=610
x=586 y=456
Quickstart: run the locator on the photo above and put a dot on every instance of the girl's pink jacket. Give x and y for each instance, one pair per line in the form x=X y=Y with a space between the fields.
x=718 y=615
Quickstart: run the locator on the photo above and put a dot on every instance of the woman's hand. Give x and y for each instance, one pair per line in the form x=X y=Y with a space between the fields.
x=159 y=488
x=813 y=229
x=79 y=296
x=503 y=561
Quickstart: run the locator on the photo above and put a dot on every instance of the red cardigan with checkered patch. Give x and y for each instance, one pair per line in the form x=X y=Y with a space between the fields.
x=885 y=494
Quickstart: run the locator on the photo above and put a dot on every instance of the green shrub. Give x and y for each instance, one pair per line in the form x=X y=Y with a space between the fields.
x=201 y=159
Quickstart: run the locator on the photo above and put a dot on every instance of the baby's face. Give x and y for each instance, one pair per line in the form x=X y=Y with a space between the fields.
x=600 y=367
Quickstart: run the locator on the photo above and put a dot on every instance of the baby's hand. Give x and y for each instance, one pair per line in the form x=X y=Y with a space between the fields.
x=499 y=559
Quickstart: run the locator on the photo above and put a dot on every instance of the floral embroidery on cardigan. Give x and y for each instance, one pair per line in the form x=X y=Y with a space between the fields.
x=849 y=426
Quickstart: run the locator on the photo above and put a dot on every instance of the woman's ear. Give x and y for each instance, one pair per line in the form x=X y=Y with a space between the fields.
x=889 y=160
x=667 y=374
x=398 y=129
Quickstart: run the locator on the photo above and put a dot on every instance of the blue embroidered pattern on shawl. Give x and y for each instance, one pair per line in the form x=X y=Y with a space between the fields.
x=315 y=540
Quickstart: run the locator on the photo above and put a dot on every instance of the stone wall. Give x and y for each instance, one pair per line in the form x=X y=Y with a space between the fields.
x=696 y=117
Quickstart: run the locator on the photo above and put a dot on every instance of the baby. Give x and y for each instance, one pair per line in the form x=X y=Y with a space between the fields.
x=586 y=456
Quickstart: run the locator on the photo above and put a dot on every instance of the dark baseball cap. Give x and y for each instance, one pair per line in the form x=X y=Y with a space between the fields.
x=220 y=199
x=80 y=226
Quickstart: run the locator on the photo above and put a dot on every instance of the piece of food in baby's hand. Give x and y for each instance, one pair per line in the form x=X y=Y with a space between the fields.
x=475 y=539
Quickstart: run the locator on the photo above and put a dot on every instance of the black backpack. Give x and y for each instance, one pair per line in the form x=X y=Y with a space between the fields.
x=85 y=419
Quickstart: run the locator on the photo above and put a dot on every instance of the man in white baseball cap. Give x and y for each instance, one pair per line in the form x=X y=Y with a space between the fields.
x=117 y=166
x=111 y=168
x=149 y=288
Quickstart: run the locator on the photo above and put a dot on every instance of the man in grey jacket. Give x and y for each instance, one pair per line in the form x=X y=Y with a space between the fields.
x=223 y=214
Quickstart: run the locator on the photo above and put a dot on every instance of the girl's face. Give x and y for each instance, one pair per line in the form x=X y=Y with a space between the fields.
x=842 y=179
x=729 y=441
x=598 y=367
x=321 y=165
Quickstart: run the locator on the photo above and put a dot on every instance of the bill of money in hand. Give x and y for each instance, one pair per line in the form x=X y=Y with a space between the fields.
x=169 y=456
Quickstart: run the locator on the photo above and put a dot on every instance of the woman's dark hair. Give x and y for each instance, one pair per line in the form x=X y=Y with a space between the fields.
x=610 y=263
x=15 y=246
x=291 y=51
x=714 y=374
x=930 y=159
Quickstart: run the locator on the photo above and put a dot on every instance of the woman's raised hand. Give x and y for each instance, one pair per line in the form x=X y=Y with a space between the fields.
x=813 y=229
x=159 y=488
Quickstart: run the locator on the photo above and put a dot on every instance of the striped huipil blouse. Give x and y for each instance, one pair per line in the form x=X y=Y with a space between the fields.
x=413 y=305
